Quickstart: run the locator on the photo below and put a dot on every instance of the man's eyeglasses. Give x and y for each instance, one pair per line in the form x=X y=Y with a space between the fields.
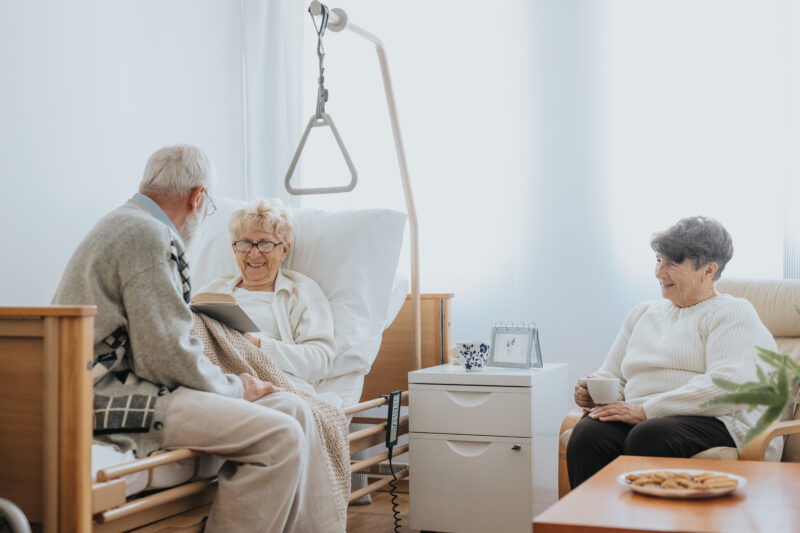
x=264 y=247
x=212 y=207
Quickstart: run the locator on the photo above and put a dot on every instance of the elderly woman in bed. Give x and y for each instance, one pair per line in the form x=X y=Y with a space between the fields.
x=665 y=357
x=290 y=309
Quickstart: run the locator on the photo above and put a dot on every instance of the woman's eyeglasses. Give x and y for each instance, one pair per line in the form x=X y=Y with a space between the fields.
x=264 y=247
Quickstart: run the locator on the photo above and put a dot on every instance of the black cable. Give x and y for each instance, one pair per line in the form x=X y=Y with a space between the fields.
x=392 y=489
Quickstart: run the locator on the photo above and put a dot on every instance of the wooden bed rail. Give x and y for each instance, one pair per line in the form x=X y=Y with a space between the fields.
x=369 y=404
x=366 y=463
x=372 y=487
x=201 y=489
x=146 y=463
x=154 y=500
x=372 y=436
x=358 y=438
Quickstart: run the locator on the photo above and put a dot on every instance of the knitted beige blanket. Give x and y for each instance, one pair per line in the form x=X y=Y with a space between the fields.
x=234 y=354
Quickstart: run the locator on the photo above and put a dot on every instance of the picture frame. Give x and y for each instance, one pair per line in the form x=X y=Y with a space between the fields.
x=515 y=346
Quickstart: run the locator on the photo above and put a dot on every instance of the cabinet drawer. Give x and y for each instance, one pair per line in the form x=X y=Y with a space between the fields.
x=470 y=484
x=467 y=410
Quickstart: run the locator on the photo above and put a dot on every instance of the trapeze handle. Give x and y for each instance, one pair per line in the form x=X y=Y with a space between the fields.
x=320 y=122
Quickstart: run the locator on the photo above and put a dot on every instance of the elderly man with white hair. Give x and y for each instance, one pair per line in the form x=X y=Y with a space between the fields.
x=154 y=388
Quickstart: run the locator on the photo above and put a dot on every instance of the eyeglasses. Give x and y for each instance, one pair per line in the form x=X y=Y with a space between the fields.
x=212 y=208
x=264 y=247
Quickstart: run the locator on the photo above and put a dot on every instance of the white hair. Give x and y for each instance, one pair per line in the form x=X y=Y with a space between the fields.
x=176 y=170
x=267 y=215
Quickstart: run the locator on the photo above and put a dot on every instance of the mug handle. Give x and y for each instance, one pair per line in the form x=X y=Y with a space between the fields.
x=454 y=356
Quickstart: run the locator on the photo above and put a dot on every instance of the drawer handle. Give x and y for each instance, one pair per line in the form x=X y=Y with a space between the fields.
x=516 y=447
x=468 y=448
x=468 y=399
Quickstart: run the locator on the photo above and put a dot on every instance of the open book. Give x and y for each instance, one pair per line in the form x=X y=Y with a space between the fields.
x=223 y=307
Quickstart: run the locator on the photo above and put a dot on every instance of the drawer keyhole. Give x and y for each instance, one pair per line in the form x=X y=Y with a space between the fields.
x=516 y=447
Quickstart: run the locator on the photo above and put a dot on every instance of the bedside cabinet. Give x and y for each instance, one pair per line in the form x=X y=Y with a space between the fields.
x=483 y=446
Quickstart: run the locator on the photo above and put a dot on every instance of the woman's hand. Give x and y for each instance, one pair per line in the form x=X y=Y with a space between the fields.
x=582 y=397
x=252 y=338
x=254 y=388
x=619 y=412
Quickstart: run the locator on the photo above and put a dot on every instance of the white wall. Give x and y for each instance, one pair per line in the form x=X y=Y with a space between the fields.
x=548 y=140
x=88 y=90
x=500 y=122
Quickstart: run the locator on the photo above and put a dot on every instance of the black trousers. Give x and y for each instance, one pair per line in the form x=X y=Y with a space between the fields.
x=593 y=444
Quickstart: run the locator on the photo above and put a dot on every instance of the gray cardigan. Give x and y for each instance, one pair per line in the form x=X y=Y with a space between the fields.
x=131 y=266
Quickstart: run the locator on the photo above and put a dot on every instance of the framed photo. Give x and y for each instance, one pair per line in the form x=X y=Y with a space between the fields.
x=515 y=347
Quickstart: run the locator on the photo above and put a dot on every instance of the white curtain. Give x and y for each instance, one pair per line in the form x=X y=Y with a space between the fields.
x=271 y=78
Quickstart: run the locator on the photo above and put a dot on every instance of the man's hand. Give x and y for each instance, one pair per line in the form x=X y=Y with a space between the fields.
x=619 y=412
x=581 y=395
x=252 y=338
x=254 y=388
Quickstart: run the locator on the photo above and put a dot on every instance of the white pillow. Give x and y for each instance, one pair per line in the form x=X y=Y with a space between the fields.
x=352 y=255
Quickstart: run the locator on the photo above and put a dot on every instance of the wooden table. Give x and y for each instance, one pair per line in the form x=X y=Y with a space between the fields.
x=770 y=502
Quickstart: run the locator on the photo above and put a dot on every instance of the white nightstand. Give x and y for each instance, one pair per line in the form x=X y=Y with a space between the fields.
x=483 y=446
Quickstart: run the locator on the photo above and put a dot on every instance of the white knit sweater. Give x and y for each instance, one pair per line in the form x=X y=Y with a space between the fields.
x=665 y=357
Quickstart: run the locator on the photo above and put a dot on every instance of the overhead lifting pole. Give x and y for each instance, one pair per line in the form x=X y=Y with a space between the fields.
x=336 y=20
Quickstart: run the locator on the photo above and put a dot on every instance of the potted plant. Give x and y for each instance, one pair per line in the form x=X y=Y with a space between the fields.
x=772 y=389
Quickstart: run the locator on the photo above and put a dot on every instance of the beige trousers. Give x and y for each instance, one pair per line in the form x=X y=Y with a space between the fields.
x=274 y=478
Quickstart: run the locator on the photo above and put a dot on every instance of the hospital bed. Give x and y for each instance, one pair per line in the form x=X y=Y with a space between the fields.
x=51 y=468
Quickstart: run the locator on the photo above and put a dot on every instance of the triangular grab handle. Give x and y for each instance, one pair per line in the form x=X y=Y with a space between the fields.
x=318 y=122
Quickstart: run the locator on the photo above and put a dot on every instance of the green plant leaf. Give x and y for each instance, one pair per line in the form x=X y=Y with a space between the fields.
x=775 y=360
x=762 y=377
x=724 y=384
x=756 y=386
x=770 y=415
x=783 y=385
x=792 y=366
x=778 y=361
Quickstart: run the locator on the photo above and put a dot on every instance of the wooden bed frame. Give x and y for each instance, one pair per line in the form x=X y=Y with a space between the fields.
x=46 y=416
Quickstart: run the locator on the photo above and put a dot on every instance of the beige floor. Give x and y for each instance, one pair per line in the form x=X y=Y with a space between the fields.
x=377 y=517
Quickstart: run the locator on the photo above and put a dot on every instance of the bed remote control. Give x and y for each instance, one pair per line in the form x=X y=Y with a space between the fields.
x=393 y=418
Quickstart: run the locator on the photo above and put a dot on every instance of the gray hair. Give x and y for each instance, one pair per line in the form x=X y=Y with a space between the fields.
x=701 y=239
x=269 y=216
x=176 y=170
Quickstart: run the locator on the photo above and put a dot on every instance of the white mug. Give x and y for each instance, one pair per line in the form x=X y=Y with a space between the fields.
x=473 y=355
x=603 y=390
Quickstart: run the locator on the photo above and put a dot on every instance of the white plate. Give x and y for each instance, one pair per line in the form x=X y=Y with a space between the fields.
x=681 y=493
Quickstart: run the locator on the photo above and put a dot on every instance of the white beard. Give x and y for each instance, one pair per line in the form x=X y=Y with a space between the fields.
x=188 y=230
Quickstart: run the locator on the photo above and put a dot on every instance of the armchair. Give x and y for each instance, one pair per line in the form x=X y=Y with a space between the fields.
x=775 y=302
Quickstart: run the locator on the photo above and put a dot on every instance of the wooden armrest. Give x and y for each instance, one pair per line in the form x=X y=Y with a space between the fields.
x=146 y=463
x=572 y=418
x=758 y=447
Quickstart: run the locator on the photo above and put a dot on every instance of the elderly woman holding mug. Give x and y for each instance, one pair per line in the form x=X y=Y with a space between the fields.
x=665 y=357
x=290 y=309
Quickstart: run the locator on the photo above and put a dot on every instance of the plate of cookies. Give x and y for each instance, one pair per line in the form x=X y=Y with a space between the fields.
x=680 y=483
